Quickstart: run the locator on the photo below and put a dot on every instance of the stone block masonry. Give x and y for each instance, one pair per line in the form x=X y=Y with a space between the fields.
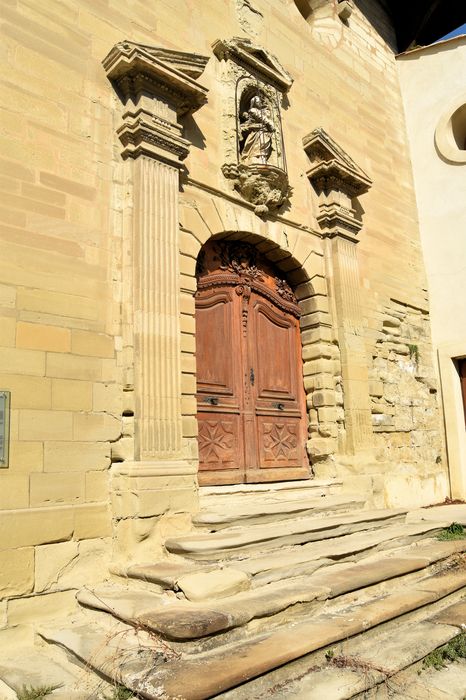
x=104 y=205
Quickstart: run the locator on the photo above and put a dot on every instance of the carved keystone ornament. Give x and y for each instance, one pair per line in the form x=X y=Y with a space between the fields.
x=253 y=139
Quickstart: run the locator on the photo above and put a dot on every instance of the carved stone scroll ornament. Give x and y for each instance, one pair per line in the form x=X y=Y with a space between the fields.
x=254 y=151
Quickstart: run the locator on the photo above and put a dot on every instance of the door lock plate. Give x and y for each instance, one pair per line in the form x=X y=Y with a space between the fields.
x=212 y=400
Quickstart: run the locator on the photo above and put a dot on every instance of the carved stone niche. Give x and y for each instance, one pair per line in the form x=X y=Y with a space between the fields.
x=338 y=182
x=255 y=85
x=157 y=86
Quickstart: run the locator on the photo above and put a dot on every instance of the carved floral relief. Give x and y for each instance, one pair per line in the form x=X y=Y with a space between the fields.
x=240 y=264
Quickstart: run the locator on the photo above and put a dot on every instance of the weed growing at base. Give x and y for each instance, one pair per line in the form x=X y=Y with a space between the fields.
x=36 y=692
x=454 y=650
x=121 y=693
x=455 y=531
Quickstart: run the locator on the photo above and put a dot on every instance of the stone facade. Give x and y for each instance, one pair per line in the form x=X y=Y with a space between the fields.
x=116 y=122
x=438 y=148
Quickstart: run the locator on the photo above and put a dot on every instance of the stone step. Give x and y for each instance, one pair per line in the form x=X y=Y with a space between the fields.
x=447 y=683
x=386 y=659
x=183 y=620
x=297 y=561
x=121 y=654
x=49 y=666
x=228 y=542
x=270 y=491
x=225 y=515
x=7 y=693
x=454 y=513
x=163 y=573
x=292 y=561
x=154 y=669
x=179 y=619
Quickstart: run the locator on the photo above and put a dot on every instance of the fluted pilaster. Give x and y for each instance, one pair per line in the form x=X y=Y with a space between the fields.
x=156 y=310
x=338 y=181
x=156 y=86
x=346 y=289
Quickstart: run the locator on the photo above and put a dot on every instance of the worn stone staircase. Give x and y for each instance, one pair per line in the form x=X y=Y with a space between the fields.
x=285 y=591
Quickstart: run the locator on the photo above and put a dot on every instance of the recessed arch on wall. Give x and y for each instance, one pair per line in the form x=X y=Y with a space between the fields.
x=450 y=134
x=458 y=127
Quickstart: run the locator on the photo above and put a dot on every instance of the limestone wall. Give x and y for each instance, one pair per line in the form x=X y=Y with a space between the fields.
x=432 y=83
x=65 y=322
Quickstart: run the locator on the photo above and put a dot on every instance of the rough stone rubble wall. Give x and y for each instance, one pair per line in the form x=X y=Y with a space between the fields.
x=405 y=402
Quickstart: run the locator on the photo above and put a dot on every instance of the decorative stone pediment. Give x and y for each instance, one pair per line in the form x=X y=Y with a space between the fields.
x=332 y=167
x=134 y=67
x=337 y=180
x=255 y=59
x=254 y=84
x=157 y=86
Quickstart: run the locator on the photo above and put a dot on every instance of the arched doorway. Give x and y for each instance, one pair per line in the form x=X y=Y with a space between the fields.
x=250 y=396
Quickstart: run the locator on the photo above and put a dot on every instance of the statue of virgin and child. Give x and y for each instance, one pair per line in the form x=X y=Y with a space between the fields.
x=256 y=133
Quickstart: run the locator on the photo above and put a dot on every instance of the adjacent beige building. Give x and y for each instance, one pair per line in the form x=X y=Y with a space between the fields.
x=132 y=135
x=434 y=97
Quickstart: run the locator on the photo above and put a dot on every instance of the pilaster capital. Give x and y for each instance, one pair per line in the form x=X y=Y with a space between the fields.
x=156 y=86
x=338 y=182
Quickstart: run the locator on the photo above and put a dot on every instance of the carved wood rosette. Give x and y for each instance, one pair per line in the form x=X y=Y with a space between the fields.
x=255 y=84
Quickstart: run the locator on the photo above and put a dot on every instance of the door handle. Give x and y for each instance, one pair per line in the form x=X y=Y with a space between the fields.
x=251 y=376
x=280 y=406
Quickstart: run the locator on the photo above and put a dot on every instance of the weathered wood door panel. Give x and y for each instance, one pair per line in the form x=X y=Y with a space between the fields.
x=250 y=397
x=218 y=384
x=277 y=395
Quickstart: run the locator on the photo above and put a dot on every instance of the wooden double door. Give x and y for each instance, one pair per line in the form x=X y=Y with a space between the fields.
x=250 y=395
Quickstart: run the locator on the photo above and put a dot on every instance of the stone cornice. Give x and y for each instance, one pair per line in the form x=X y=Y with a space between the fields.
x=143 y=134
x=332 y=175
x=157 y=86
x=337 y=180
x=135 y=67
x=332 y=168
x=338 y=221
x=254 y=58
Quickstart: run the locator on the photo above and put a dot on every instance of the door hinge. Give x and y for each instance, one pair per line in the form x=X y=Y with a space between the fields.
x=251 y=376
